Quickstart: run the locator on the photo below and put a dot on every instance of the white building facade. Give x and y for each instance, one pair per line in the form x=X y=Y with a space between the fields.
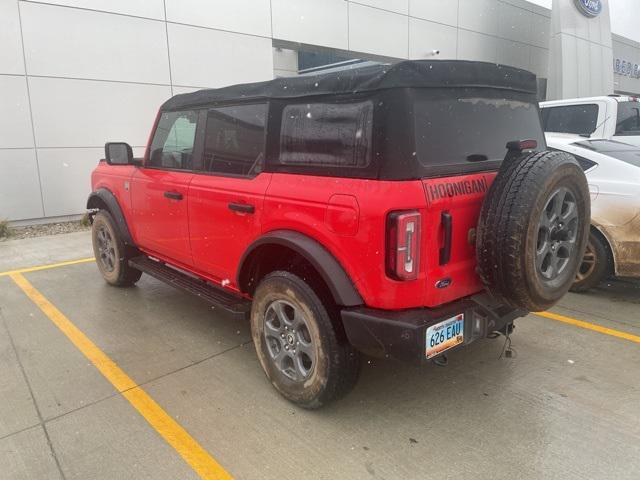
x=77 y=73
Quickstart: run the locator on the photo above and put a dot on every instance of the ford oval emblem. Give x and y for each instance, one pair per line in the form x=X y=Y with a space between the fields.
x=443 y=282
x=590 y=8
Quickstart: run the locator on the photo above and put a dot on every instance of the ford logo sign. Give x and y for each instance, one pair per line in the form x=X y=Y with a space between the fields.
x=444 y=282
x=590 y=8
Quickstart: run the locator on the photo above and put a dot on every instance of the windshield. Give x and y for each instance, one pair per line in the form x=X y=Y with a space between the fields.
x=621 y=151
x=470 y=134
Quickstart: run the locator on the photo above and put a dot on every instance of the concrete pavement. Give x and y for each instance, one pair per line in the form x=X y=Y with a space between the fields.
x=565 y=406
x=29 y=252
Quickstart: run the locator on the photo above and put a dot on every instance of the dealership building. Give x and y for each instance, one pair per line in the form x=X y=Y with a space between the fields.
x=77 y=73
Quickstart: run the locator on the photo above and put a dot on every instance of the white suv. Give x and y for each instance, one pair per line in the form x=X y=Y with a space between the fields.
x=612 y=117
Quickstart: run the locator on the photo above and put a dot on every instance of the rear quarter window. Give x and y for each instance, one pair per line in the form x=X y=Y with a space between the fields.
x=326 y=134
x=585 y=163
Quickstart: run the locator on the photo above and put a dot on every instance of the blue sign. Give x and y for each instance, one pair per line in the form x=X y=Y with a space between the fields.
x=590 y=8
x=627 y=68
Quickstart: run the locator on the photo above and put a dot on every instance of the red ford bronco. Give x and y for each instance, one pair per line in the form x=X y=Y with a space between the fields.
x=396 y=210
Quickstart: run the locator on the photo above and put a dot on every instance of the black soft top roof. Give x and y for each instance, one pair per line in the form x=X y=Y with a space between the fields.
x=406 y=74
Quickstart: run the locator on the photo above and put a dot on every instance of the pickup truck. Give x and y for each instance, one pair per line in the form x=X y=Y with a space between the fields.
x=611 y=117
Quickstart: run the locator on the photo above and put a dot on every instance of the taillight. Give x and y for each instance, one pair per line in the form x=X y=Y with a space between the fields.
x=403 y=245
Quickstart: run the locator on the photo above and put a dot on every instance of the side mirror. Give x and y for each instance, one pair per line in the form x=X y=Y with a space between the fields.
x=118 y=153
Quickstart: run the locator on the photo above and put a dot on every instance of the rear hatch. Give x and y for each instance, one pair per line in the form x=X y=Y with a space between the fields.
x=460 y=143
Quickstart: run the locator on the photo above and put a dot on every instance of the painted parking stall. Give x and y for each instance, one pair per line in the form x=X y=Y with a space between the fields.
x=171 y=414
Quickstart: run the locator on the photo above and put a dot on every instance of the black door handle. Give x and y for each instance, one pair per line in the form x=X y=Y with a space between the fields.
x=447 y=224
x=173 y=195
x=242 y=207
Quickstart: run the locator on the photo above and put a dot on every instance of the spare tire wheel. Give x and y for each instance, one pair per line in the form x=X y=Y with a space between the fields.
x=533 y=229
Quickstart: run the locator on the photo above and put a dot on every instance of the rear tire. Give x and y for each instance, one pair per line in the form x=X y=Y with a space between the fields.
x=596 y=265
x=533 y=229
x=112 y=255
x=297 y=345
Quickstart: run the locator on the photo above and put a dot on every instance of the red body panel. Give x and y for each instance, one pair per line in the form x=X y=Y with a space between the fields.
x=162 y=224
x=115 y=179
x=219 y=236
x=462 y=198
x=346 y=215
x=301 y=203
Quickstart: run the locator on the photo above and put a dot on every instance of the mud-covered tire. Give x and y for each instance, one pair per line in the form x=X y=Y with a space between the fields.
x=112 y=255
x=527 y=257
x=596 y=265
x=336 y=364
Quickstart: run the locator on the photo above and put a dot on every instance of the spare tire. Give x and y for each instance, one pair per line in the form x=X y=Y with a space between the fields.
x=533 y=229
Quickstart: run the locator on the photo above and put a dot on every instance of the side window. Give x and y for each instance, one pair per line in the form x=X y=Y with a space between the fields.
x=326 y=134
x=578 y=119
x=234 y=139
x=628 y=121
x=585 y=163
x=172 y=145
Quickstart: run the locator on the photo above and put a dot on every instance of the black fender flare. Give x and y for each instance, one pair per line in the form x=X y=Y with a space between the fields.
x=103 y=198
x=342 y=288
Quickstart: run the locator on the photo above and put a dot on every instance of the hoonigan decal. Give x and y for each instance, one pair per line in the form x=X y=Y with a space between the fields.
x=454 y=189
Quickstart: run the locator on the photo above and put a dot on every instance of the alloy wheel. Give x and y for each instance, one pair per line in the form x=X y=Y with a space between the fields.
x=289 y=340
x=557 y=234
x=588 y=264
x=106 y=248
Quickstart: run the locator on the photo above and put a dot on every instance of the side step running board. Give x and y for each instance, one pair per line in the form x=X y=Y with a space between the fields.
x=232 y=304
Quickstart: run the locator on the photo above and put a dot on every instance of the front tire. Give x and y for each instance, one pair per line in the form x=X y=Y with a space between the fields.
x=297 y=345
x=596 y=265
x=111 y=253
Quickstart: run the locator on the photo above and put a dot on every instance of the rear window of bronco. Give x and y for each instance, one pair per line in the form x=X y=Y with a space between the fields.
x=466 y=134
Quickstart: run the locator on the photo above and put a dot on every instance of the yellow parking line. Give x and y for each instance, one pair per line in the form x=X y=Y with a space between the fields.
x=176 y=436
x=48 y=266
x=590 y=326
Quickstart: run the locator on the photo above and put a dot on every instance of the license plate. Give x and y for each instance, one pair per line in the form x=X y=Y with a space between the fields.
x=445 y=335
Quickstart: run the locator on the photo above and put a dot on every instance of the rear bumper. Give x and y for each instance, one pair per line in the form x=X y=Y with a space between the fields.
x=401 y=334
